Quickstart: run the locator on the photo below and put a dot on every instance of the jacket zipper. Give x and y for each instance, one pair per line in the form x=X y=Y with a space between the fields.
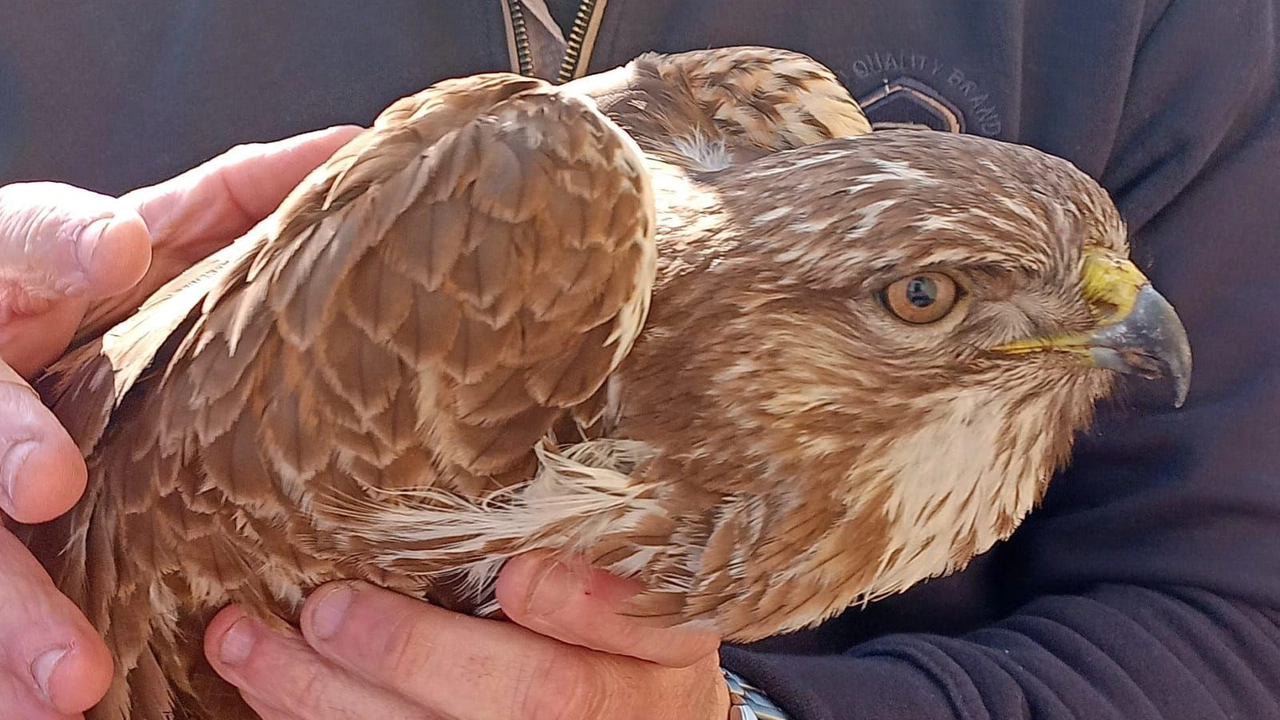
x=520 y=33
x=577 y=38
x=573 y=44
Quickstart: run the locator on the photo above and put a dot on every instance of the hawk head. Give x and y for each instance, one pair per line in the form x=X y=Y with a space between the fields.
x=894 y=337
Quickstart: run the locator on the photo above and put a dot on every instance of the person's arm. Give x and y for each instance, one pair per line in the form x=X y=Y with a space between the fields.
x=1148 y=586
x=67 y=257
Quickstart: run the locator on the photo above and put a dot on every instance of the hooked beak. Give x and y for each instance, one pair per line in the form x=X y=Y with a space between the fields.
x=1138 y=331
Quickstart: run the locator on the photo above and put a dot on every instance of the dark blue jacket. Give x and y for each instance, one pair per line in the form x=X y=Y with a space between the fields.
x=1148 y=586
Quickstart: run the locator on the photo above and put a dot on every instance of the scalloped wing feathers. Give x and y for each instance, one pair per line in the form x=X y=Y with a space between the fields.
x=419 y=312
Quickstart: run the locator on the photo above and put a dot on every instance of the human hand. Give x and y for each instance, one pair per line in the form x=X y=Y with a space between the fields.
x=75 y=262
x=370 y=653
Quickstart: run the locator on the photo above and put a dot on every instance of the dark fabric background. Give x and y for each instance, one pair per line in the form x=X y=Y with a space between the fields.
x=1148 y=585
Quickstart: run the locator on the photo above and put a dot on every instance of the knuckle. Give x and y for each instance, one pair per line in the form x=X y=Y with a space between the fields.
x=263 y=710
x=240 y=154
x=38 y=211
x=621 y=637
x=565 y=687
x=407 y=651
x=241 y=151
x=307 y=690
x=691 y=648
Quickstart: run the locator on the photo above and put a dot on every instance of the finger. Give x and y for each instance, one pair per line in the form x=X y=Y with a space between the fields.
x=468 y=668
x=19 y=701
x=587 y=607
x=282 y=675
x=67 y=237
x=47 y=648
x=206 y=208
x=457 y=666
x=42 y=473
x=266 y=711
x=29 y=343
x=454 y=665
x=60 y=247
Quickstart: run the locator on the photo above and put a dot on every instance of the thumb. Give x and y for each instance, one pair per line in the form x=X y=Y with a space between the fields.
x=585 y=606
x=60 y=247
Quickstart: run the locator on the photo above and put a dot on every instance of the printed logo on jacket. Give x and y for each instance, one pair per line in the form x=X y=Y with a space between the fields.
x=920 y=90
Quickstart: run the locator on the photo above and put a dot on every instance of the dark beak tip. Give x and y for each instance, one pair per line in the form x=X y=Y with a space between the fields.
x=1177 y=351
x=1150 y=342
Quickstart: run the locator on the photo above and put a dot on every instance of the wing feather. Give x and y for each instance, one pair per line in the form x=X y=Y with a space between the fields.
x=419 y=312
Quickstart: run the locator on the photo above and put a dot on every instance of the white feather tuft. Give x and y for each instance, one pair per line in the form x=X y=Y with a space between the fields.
x=581 y=494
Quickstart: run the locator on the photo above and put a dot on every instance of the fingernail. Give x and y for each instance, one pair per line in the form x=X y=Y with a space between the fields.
x=237 y=643
x=10 y=466
x=87 y=242
x=551 y=589
x=329 y=613
x=42 y=669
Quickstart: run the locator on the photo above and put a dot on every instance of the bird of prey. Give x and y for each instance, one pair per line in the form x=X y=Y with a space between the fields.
x=689 y=319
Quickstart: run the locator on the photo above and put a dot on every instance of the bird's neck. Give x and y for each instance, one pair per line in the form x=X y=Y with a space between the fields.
x=776 y=445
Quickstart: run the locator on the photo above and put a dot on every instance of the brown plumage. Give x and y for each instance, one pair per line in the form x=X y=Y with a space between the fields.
x=701 y=352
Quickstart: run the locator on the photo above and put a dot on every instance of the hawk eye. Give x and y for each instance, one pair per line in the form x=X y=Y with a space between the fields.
x=921 y=298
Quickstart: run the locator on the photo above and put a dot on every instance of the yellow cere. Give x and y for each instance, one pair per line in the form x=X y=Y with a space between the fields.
x=1111 y=284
